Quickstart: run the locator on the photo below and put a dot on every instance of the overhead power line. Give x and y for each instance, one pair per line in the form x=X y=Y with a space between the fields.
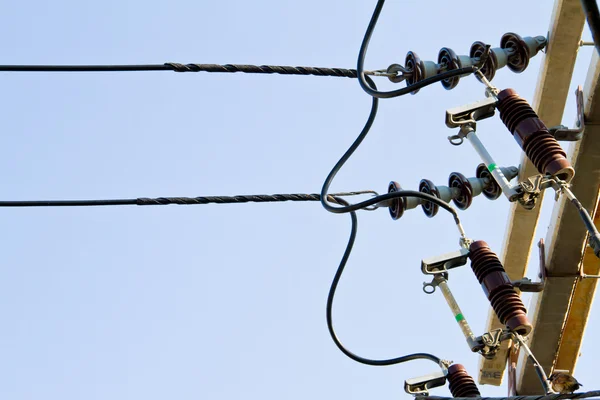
x=161 y=201
x=177 y=67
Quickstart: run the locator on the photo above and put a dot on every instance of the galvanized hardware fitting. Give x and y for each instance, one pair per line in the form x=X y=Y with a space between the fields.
x=420 y=386
x=532 y=188
x=487 y=344
x=465 y=118
x=564 y=134
x=443 y=263
x=491 y=342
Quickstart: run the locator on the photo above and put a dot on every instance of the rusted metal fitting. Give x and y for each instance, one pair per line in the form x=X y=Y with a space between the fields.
x=460 y=383
x=498 y=288
x=532 y=135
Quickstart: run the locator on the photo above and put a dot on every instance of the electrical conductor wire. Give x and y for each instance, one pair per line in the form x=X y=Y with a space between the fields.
x=331 y=295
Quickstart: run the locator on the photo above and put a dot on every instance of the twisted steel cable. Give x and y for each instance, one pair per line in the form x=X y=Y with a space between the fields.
x=177 y=67
x=160 y=201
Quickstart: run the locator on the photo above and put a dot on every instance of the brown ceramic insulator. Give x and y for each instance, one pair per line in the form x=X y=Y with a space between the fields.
x=458 y=180
x=498 y=288
x=426 y=186
x=397 y=206
x=491 y=190
x=532 y=135
x=489 y=68
x=518 y=61
x=460 y=383
x=414 y=64
x=449 y=58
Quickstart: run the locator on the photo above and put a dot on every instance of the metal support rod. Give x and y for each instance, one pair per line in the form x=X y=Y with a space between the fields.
x=469 y=132
x=585 y=276
x=538 y=368
x=442 y=283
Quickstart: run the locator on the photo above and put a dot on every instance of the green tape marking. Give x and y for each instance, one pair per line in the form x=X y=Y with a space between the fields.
x=459 y=317
x=492 y=167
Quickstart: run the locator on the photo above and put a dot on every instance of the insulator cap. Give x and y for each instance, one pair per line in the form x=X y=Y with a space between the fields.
x=491 y=190
x=414 y=64
x=426 y=186
x=460 y=383
x=397 y=206
x=524 y=49
x=491 y=65
x=459 y=181
x=449 y=58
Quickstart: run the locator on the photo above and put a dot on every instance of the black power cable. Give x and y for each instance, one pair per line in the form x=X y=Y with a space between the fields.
x=331 y=295
x=380 y=198
x=399 y=92
x=352 y=208
x=159 y=201
x=250 y=69
x=590 y=8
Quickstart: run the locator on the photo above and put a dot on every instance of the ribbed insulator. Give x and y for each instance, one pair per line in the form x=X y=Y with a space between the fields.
x=498 y=288
x=514 y=110
x=532 y=135
x=460 y=383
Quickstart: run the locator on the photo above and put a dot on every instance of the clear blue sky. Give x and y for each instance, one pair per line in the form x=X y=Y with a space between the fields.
x=228 y=301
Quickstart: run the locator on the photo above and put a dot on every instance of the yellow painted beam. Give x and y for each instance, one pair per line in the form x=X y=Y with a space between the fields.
x=565 y=243
x=549 y=102
x=581 y=304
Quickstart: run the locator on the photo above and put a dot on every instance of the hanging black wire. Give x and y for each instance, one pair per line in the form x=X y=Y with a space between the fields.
x=352 y=208
x=380 y=198
x=399 y=92
x=331 y=295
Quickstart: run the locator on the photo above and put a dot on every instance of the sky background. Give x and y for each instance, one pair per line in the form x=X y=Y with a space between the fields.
x=228 y=301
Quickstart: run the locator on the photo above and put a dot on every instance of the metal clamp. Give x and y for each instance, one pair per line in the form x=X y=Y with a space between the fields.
x=491 y=342
x=470 y=113
x=441 y=264
x=420 y=386
x=565 y=134
x=429 y=287
x=532 y=188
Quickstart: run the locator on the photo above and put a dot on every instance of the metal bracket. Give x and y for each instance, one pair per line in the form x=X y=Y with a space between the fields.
x=420 y=386
x=441 y=264
x=470 y=113
x=533 y=187
x=429 y=287
x=527 y=285
x=491 y=342
x=565 y=134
